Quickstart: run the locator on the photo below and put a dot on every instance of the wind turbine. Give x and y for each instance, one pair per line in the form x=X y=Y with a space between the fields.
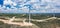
x=29 y=7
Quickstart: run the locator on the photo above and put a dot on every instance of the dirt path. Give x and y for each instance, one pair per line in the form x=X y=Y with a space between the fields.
x=17 y=23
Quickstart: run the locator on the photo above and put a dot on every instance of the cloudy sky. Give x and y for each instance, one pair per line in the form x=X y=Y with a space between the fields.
x=35 y=6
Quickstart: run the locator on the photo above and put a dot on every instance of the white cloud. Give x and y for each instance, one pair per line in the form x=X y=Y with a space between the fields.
x=25 y=9
x=33 y=1
x=43 y=11
x=8 y=2
x=14 y=4
x=33 y=11
x=36 y=6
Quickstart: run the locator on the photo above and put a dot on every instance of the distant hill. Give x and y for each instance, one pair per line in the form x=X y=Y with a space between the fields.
x=33 y=15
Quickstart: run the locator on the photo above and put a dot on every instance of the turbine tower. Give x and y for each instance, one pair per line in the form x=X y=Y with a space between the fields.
x=29 y=7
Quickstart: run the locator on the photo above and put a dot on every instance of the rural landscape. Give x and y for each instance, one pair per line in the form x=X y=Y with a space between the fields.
x=29 y=13
x=46 y=20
